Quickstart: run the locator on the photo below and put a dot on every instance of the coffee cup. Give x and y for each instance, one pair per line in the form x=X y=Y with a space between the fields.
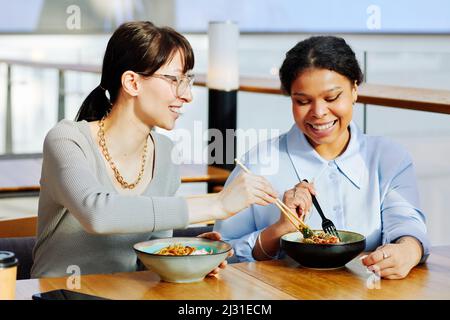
x=8 y=274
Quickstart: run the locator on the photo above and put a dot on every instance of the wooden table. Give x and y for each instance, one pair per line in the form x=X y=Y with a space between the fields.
x=18 y=226
x=428 y=281
x=231 y=285
x=282 y=279
x=203 y=173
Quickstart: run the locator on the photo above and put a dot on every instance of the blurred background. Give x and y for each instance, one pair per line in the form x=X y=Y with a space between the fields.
x=401 y=43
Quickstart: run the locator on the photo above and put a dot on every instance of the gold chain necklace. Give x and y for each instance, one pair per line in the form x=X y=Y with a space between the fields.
x=119 y=178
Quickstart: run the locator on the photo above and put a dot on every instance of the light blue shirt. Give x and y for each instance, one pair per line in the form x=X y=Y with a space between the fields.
x=370 y=189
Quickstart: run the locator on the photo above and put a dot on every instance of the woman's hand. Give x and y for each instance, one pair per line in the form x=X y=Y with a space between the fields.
x=245 y=190
x=300 y=201
x=395 y=261
x=216 y=236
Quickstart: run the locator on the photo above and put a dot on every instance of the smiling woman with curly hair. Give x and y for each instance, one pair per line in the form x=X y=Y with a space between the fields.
x=364 y=183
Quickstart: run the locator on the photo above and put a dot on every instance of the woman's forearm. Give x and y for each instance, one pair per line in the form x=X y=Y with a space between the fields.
x=270 y=242
x=203 y=208
x=242 y=192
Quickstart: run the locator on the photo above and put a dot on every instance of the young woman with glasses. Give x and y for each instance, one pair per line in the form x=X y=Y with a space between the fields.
x=108 y=180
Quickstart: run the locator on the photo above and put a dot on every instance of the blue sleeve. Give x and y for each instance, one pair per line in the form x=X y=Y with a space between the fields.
x=400 y=210
x=239 y=230
x=241 y=233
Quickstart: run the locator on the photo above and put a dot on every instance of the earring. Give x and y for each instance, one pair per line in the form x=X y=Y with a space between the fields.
x=108 y=96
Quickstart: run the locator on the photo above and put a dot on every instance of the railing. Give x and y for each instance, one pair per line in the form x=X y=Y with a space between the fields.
x=21 y=174
x=430 y=100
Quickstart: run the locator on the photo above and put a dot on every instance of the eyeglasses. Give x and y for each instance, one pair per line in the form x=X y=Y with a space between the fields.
x=181 y=82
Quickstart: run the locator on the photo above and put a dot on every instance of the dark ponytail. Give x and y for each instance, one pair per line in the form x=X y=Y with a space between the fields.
x=137 y=46
x=95 y=106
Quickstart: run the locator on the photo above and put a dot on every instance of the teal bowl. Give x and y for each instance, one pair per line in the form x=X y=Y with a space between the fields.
x=182 y=269
x=323 y=256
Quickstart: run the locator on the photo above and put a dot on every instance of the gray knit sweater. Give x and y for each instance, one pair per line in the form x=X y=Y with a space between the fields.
x=83 y=221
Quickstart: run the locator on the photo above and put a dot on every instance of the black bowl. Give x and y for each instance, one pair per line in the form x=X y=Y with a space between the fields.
x=323 y=256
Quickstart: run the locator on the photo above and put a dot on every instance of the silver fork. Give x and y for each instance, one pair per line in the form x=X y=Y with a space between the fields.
x=327 y=224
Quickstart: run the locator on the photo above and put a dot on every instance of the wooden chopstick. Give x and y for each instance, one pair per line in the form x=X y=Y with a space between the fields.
x=288 y=215
x=292 y=217
x=284 y=207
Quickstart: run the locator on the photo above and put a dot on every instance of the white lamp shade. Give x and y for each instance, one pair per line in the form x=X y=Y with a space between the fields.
x=223 y=60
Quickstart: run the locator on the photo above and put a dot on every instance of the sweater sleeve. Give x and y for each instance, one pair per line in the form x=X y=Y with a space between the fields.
x=73 y=185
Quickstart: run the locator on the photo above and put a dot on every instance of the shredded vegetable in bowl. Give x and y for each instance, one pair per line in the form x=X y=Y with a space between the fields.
x=178 y=249
x=201 y=251
x=321 y=238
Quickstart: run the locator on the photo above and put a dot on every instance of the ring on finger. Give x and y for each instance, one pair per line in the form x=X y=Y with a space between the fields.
x=385 y=255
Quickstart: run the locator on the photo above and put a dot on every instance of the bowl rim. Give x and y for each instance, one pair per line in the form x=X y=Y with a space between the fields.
x=326 y=244
x=187 y=255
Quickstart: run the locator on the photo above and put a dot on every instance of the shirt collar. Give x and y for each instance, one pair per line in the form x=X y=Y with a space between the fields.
x=309 y=164
x=306 y=161
x=352 y=162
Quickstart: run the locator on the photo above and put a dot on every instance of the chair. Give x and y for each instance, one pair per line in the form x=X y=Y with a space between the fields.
x=18 y=236
x=191 y=232
x=22 y=248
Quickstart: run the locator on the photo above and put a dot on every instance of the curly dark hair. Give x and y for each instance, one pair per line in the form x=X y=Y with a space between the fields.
x=321 y=52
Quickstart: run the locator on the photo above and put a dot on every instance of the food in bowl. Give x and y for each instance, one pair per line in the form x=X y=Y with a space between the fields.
x=178 y=249
x=321 y=238
x=182 y=268
x=325 y=255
